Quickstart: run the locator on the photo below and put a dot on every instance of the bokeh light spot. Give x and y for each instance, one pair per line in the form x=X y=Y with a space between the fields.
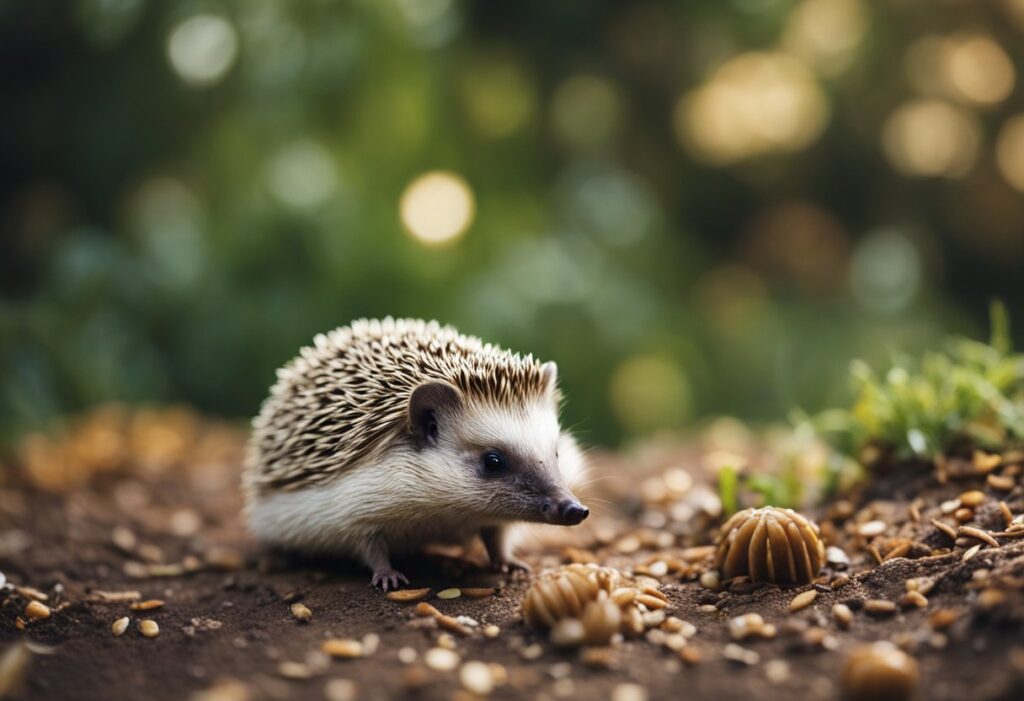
x=302 y=174
x=755 y=104
x=825 y=33
x=928 y=138
x=979 y=70
x=649 y=392
x=202 y=49
x=437 y=207
x=586 y=111
x=885 y=274
x=1010 y=151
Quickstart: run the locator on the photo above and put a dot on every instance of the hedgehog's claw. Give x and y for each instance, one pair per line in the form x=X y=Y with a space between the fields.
x=388 y=577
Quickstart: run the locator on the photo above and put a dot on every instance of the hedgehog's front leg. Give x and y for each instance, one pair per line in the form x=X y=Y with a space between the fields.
x=377 y=558
x=499 y=549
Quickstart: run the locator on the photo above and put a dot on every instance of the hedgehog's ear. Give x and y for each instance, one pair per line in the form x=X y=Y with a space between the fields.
x=431 y=403
x=549 y=371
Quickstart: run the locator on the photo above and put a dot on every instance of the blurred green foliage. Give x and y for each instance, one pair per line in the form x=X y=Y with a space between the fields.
x=972 y=391
x=695 y=208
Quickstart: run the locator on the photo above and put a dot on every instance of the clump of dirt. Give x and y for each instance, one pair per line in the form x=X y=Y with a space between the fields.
x=929 y=559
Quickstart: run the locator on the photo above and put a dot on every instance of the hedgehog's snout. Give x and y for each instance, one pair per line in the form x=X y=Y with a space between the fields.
x=567 y=512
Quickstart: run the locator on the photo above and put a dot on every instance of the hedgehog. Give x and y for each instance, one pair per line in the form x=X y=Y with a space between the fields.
x=387 y=435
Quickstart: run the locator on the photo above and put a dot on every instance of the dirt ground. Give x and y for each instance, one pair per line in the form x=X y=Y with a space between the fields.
x=172 y=531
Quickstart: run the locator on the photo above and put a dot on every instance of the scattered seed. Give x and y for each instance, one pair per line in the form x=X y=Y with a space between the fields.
x=915 y=511
x=872 y=528
x=875 y=554
x=963 y=514
x=453 y=624
x=114 y=597
x=690 y=655
x=972 y=499
x=970 y=552
x=899 y=551
x=990 y=599
x=843 y=615
x=441 y=660
x=777 y=671
x=119 y=626
x=1004 y=509
x=477 y=592
x=407 y=655
x=945 y=528
x=624 y=596
x=147 y=605
x=1000 y=483
x=740 y=654
x=710 y=580
x=979 y=534
x=803 y=600
x=837 y=556
x=149 y=628
x=942 y=618
x=949 y=506
x=477 y=678
x=447 y=641
x=651 y=602
x=839 y=582
x=707 y=608
x=880 y=607
x=294 y=670
x=568 y=632
x=878 y=671
x=492 y=631
x=342 y=648
x=37 y=610
x=407 y=594
x=426 y=610
x=629 y=692
x=914 y=598
x=338 y=690
x=301 y=612
x=453 y=593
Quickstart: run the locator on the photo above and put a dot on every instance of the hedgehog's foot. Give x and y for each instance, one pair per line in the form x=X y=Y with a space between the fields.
x=499 y=551
x=384 y=577
x=378 y=558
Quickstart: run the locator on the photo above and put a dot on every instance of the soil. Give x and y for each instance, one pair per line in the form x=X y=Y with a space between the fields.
x=172 y=530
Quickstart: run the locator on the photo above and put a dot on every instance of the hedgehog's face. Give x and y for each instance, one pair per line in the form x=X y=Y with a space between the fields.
x=509 y=459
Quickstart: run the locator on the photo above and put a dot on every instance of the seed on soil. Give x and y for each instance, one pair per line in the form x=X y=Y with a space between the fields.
x=426 y=610
x=690 y=655
x=342 y=648
x=441 y=660
x=149 y=628
x=337 y=690
x=629 y=692
x=1004 y=509
x=453 y=593
x=839 y=582
x=119 y=626
x=740 y=654
x=986 y=462
x=878 y=672
x=750 y=625
x=777 y=671
x=972 y=499
x=710 y=580
x=568 y=632
x=147 y=605
x=945 y=528
x=37 y=611
x=770 y=545
x=651 y=602
x=453 y=624
x=1000 y=483
x=942 y=619
x=447 y=641
x=803 y=600
x=979 y=534
x=881 y=607
x=492 y=631
x=949 y=506
x=872 y=528
x=914 y=598
x=301 y=612
x=963 y=514
x=294 y=670
x=477 y=678
x=114 y=597
x=407 y=594
x=836 y=556
x=843 y=615
x=971 y=552
x=991 y=599
x=477 y=592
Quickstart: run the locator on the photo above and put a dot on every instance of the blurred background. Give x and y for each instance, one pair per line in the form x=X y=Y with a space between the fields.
x=694 y=208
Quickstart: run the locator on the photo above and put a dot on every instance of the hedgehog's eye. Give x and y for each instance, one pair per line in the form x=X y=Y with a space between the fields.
x=493 y=461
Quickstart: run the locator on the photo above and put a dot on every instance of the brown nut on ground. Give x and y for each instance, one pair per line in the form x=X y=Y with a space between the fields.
x=770 y=545
x=879 y=672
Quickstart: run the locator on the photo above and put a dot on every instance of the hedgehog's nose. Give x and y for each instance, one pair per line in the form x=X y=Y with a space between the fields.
x=572 y=512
